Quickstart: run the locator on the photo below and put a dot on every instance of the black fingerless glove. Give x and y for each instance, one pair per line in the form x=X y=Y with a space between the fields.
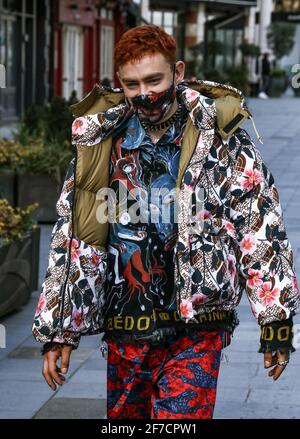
x=277 y=336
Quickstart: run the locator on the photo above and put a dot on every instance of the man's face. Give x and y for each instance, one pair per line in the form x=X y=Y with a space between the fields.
x=151 y=74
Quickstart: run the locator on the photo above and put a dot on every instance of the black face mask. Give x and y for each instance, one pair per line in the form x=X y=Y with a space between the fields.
x=152 y=108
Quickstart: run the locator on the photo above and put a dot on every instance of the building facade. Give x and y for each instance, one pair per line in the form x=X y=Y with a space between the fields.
x=24 y=45
x=207 y=21
x=85 y=33
x=54 y=47
x=217 y=29
x=289 y=11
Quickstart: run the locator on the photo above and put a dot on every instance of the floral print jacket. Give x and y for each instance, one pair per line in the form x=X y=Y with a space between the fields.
x=237 y=242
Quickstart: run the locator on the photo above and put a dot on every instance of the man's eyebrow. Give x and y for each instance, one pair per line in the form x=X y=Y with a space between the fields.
x=146 y=78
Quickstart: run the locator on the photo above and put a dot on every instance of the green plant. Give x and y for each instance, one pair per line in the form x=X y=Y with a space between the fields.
x=38 y=157
x=250 y=50
x=281 y=38
x=11 y=154
x=190 y=69
x=277 y=72
x=207 y=52
x=279 y=82
x=52 y=122
x=50 y=158
x=213 y=47
x=15 y=223
x=45 y=136
x=239 y=77
x=214 y=75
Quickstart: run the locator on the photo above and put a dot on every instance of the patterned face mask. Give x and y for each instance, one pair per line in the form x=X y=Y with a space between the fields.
x=152 y=108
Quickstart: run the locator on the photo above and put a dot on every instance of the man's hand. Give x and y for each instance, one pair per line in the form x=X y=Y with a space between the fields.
x=273 y=360
x=51 y=372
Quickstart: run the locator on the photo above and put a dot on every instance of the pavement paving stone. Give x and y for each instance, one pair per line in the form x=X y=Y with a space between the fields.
x=73 y=408
x=16 y=414
x=84 y=388
x=257 y=410
x=25 y=395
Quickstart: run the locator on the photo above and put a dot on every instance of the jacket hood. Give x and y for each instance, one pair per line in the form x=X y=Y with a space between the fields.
x=230 y=104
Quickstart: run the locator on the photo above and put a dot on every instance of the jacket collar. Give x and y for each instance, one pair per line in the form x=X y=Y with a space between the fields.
x=230 y=105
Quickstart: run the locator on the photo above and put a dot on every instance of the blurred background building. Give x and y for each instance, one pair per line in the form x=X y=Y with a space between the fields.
x=53 y=47
x=214 y=31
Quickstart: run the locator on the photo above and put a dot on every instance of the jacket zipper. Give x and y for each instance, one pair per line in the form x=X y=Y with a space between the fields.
x=62 y=294
x=184 y=171
x=176 y=256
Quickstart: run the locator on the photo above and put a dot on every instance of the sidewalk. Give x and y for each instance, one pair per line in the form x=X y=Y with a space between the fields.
x=244 y=390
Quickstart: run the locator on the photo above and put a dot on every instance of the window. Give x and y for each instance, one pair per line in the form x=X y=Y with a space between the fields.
x=106 y=13
x=157 y=18
x=106 y=53
x=167 y=20
x=73 y=61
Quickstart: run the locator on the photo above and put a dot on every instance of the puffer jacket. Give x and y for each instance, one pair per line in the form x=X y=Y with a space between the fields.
x=237 y=243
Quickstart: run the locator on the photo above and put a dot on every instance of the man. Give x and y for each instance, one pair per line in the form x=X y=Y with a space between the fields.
x=166 y=215
x=265 y=73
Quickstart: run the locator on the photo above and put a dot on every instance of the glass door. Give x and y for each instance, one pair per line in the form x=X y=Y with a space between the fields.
x=8 y=58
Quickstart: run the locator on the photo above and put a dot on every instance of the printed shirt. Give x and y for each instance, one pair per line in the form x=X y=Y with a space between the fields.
x=140 y=287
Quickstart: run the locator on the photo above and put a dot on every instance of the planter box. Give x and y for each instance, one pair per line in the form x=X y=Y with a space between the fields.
x=278 y=85
x=254 y=89
x=40 y=189
x=297 y=92
x=7 y=183
x=19 y=269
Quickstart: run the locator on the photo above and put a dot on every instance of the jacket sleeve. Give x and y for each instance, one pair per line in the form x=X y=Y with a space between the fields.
x=93 y=128
x=263 y=251
x=45 y=324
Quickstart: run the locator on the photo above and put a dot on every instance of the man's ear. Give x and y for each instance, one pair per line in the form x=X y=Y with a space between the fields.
x=179 y=71
x=119 y=77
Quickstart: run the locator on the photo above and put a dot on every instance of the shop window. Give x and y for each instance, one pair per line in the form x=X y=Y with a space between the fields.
x=8 y=104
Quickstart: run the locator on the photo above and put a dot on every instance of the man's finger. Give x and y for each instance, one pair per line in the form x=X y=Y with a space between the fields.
x=58 y=370
x=52 y=359
x=277 y=371
x=269 y=360
x=65 y=358
x=281 y=357
x=46 y=374
x=271 y=372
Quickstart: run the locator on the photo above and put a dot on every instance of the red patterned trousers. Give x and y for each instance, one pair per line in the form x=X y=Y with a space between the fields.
x=175 y=380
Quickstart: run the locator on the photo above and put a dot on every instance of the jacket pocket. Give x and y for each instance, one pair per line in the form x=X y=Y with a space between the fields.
x=213 y=269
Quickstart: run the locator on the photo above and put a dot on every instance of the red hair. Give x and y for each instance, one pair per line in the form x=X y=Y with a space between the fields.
x=144 y=40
